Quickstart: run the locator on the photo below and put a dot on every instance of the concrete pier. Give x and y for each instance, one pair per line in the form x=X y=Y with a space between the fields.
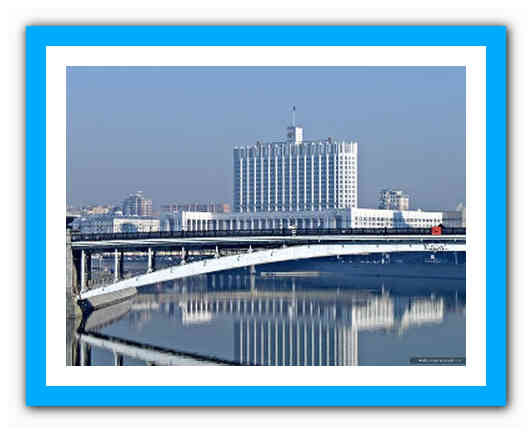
x=72 y=279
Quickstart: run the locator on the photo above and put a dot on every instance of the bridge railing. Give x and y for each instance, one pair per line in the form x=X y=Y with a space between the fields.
x=261 y=232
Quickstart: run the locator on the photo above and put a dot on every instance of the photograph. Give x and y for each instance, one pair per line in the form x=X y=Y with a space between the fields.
x=320 y=208
x=266 y=216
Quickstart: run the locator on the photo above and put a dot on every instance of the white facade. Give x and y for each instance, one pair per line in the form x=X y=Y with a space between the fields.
x=332 y=218
x=115 y=224
x=377 y=218
x=295 y=175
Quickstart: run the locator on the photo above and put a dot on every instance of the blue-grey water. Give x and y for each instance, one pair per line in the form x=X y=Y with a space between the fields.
x=307 y=317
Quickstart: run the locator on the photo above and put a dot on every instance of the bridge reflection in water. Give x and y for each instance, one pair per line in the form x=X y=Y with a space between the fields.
x=266 y=322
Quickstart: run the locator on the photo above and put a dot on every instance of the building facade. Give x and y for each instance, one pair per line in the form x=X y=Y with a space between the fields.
x=137 y=205
x=96 y=210
x=455 y=218
x=208 y=207
x=393 y=199
x=329 y=218
x=295 y=175
x=100 y=224
x=452 y=219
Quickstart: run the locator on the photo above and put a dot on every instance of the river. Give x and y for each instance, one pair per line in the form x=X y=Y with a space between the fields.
x=318 y=315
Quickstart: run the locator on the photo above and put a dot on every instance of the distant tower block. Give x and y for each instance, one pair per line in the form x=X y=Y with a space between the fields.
x=393 y=199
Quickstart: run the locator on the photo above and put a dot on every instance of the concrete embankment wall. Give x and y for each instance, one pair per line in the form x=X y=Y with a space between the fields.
x=107 y=299
x=73 y=310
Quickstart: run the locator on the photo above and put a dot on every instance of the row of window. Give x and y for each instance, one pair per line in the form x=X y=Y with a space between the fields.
x=299 y=222
x=296 y=150
x=394 y=219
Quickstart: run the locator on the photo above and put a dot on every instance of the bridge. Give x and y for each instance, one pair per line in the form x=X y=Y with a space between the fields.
x=227 y=250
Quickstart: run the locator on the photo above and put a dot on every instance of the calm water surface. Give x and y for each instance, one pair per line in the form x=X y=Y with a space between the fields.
x=301 y=319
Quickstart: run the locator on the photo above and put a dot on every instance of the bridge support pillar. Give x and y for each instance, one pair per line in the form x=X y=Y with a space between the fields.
x=119 y=265
x=83 y=271
x=86 y=265
x=151 y=260
x=183 y=256
x=252 y=270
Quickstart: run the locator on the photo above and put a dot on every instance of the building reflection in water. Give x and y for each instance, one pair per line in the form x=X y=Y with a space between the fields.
x=280 y=321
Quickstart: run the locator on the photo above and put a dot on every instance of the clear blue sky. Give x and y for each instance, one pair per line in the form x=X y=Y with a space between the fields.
x=170 y=131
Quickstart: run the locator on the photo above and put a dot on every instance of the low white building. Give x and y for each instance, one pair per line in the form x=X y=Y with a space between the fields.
x=115 y=224
x=331 y=218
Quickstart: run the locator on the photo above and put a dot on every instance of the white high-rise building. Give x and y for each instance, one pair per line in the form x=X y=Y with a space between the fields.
x=295 y=174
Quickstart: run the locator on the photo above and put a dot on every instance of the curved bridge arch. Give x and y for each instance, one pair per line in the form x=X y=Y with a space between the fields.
x=267 y=257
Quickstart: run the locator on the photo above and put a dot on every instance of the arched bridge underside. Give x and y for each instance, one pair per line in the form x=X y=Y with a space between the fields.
x=269 y=256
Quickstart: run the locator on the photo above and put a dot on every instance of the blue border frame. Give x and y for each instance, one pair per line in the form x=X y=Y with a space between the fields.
x=39 y=37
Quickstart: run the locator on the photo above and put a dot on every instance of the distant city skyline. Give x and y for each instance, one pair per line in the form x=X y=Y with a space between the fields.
x=170 y=132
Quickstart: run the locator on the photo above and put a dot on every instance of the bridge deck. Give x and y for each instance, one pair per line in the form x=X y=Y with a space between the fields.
x=259 y=241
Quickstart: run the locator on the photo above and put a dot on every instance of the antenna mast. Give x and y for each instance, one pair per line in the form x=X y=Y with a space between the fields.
x=294 y=116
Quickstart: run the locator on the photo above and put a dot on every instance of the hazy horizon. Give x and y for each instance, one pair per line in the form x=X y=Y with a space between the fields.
x=170 y=131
